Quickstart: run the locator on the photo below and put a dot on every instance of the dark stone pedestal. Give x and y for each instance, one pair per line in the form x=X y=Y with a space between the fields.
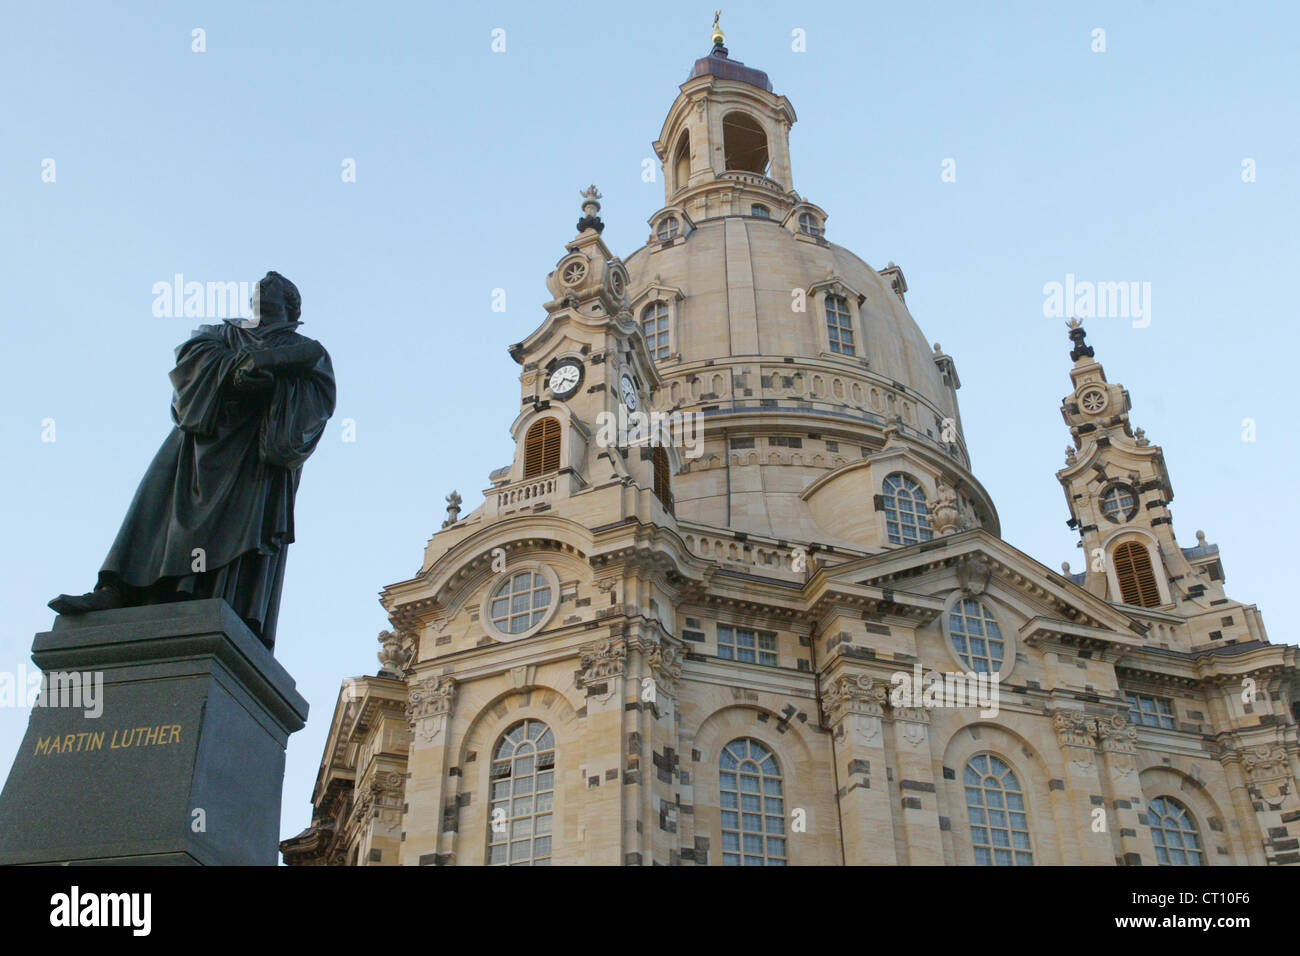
x=186 y=761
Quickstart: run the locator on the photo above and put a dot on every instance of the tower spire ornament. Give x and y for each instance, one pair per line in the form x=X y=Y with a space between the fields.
x=719 y=38
x=453 y=508
x=1077 y=335
x=590 y=210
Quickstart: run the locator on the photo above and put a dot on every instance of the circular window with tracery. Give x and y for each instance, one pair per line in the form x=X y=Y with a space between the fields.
x=574 y=273
x=1093 y=401
x=521 y=603
x=1119 y=503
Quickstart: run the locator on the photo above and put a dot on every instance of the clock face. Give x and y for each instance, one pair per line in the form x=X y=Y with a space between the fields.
x=564 y=379
x=628 y=390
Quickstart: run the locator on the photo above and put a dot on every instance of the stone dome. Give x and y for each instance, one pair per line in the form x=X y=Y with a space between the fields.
x=738 y=276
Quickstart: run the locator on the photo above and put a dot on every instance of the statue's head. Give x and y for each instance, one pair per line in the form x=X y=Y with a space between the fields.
x=275 y=301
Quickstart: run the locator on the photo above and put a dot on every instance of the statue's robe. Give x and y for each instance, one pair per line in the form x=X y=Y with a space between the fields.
x=223 y=481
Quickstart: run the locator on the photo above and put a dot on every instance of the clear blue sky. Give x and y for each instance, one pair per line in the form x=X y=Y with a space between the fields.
x=1122 y=166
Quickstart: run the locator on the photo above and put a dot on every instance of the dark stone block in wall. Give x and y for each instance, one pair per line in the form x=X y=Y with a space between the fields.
x=196 y=714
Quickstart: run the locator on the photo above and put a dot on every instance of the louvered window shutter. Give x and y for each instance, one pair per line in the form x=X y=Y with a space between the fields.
x=542 y=448
x=663 y=486
x=1137 y=579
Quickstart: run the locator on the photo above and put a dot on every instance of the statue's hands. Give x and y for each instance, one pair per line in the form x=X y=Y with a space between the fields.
x=252 y=380
x=282 y=358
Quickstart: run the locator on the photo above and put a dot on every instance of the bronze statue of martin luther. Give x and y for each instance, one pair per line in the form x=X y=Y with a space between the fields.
x=213 y=516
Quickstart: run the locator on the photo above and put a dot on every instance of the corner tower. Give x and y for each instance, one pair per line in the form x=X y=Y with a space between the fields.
x=1118 y=490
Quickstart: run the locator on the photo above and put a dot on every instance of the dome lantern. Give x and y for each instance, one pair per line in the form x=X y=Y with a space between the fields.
x=725 y=144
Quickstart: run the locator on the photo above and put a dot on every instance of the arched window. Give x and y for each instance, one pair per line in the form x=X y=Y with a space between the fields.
x=682 y=161
x=1137 y=580
x=668 y=227
x=999 y=826
x=744 y=144
x=663 y=483
x=1119 y=503
x=523 y=794
x=809 y=225
x=907 y=519
x=542 y=447
x=760 y=211
x=976 y=636
x=654 y=323
x=753 y=805
x=839 y=325
x=1174 y=833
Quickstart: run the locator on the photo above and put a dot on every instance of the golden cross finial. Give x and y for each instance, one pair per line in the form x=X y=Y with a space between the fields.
x=718 y=38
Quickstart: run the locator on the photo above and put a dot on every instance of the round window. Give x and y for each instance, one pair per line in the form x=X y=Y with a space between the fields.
x=1119 y=503
x=574 y=272
x=667 y=228
x=521 y=602
x=1093 y=400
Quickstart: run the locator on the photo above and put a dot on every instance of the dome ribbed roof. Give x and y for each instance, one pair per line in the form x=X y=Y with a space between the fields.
x=720 y=65
x=737 y=273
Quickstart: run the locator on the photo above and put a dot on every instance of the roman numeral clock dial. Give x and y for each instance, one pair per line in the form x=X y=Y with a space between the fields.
x=565 y=379
x=628 y=389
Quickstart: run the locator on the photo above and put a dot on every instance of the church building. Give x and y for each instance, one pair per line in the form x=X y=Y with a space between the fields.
x=739 y=599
